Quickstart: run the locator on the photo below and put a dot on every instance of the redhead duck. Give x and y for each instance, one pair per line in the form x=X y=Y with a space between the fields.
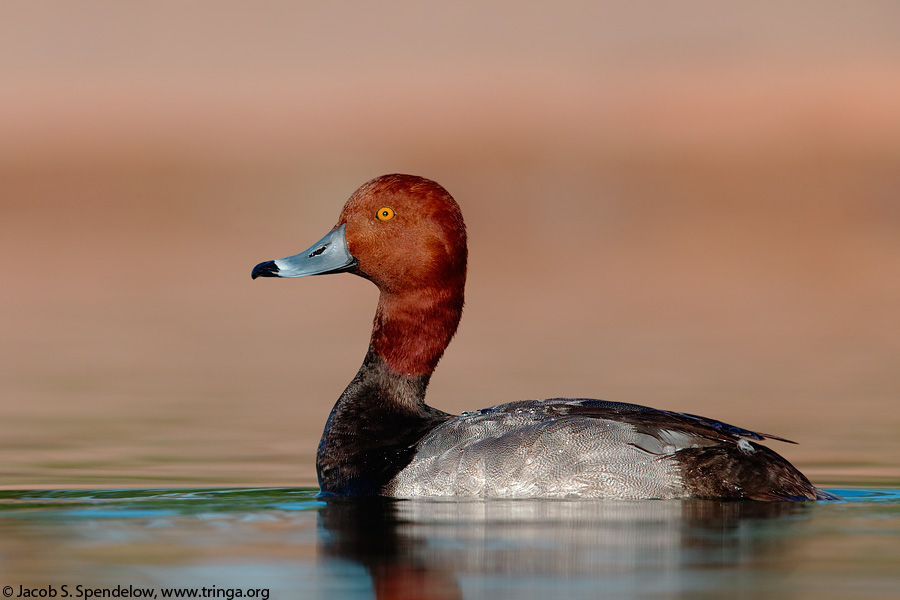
x=406 y=235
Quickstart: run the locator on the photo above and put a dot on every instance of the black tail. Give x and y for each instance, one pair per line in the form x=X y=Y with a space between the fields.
x=746 y=471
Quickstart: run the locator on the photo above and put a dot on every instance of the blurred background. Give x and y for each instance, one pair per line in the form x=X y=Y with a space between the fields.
x=692 y=205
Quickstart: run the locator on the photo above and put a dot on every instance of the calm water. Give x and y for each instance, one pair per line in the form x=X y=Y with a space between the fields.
x=285 y=543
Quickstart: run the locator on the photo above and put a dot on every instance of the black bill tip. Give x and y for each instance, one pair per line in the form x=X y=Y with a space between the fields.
x=265 y=269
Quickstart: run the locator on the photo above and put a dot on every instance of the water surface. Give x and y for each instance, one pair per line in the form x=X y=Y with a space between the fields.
x=286 y=543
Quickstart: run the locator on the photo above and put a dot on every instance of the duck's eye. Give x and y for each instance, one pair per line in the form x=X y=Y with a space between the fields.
x=385 y=214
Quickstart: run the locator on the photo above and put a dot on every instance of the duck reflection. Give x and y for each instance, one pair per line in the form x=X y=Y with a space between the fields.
x=435 y=548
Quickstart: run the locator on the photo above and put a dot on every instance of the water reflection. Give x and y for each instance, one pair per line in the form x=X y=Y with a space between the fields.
x=287 y=541
x=439 y=549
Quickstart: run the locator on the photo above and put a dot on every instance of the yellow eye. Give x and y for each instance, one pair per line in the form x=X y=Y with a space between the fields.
x=385 y=214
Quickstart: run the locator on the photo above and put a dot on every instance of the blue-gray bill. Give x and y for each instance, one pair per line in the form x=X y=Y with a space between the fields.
x=328 y=255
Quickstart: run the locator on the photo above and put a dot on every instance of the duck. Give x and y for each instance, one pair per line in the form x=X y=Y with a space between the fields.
x=406 y=234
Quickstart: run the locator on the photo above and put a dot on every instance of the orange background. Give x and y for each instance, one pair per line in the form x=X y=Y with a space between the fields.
x=691 y=205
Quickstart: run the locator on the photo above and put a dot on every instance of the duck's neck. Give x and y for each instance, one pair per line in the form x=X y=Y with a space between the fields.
x=373 y=429
x=412 y=330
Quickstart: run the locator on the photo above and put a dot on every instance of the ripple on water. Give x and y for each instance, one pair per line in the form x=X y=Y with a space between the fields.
x=299 y=545
x=868 y=494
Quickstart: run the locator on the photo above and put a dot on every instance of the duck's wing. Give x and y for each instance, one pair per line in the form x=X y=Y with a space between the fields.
x=644 y=418
x=717 y=460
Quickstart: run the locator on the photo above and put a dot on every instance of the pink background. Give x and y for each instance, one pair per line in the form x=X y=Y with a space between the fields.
x=690 y=205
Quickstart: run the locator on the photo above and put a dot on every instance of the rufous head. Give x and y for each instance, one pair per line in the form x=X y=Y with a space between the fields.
x=405 y=234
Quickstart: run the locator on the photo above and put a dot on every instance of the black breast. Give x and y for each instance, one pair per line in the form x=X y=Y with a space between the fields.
x=373 y=430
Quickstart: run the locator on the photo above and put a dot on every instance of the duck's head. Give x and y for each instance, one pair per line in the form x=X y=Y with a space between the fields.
x=405 y=234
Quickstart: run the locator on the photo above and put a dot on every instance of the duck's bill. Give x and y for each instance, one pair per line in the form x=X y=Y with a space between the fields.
x=328 y=255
